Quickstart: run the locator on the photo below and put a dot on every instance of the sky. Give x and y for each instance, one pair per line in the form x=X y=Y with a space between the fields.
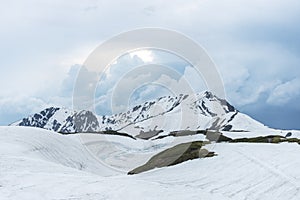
x=254 y=44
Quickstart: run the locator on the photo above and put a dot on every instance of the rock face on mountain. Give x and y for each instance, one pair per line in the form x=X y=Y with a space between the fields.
x=40 y=119
x=169 y=113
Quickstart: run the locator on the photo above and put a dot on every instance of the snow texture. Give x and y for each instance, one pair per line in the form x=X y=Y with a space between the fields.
x=39 y=164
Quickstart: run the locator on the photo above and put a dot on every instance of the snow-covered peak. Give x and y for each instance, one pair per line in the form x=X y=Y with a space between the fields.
x=168 y=113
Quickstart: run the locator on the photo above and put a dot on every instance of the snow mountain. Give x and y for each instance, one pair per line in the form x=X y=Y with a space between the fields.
x=169 y=113
x=261 y=163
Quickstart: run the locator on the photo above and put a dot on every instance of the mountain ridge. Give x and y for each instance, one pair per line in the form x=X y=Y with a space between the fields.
x=168 y=113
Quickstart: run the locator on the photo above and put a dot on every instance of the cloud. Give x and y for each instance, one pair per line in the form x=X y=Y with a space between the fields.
x=69 y=82
x=144 y=55
x=255 y=44
x=255 y=71
x=285 y=93
x=17 y=107
x=130 y=79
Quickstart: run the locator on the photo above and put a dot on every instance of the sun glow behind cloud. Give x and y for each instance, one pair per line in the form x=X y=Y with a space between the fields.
x=255 y=44
x=144 y=55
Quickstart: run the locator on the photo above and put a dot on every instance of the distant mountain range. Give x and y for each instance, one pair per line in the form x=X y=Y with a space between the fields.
x=168 y=113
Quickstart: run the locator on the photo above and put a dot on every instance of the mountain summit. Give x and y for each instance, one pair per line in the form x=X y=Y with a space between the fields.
x=168 y=113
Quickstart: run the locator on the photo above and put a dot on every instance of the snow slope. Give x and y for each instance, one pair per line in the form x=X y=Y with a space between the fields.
x=39 y=164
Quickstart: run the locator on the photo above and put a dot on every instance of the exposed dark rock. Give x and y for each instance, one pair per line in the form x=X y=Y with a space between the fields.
x=136 y=108
x=227 y=128
x=111 y=132
x=182 y=133
x=185 y=96
x=227 y=105
x=146 y=135
x=208 y=95
x=217 y=137
x=232 y=117
x=289 y=134
x=39 y=119
x=56 y=125
x=175 y=155
x=267 y=139
x=207 y=110
x=84 y=121
x=217 y=124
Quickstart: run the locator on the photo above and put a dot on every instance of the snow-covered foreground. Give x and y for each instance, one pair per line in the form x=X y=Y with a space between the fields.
x=39 y=164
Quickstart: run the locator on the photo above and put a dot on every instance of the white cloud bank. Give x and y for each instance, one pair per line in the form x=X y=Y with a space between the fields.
x=285 y=93
x=254 y=43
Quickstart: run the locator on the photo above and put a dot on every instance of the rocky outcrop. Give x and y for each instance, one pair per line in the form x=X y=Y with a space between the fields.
x=175 y=155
